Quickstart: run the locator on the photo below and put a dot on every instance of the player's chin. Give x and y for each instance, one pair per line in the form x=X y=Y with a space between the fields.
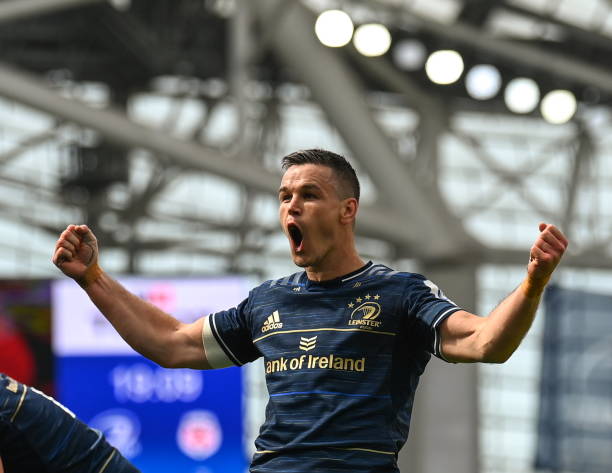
x=301 y=260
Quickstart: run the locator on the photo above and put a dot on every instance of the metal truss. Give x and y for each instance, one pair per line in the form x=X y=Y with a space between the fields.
x=412 y=215
x=377 y=222
x=11 y=10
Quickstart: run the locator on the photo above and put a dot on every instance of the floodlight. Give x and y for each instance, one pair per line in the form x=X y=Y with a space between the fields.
x=444 y=67
x=483 y=82
x=372 y=39
x=558 y=106
x=334 y=28
x=522 y=95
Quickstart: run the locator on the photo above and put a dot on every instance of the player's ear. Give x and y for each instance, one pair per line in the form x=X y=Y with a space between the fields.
x=348 y=210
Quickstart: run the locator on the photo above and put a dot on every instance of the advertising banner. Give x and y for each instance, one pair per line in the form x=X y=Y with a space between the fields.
x=183 y=420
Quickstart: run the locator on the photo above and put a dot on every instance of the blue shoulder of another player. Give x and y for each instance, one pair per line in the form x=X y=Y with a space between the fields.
x=40 y=434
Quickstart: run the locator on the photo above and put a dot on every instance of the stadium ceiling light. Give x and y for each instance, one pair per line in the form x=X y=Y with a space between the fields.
x=121 y=5
x=372 y=39
x=444 y=67
x=558 y=106
x=334 y=28
x=522 y=95
x=409 y=54
x=483 y=82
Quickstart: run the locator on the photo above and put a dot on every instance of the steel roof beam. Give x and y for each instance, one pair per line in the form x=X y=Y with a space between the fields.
x=12 y=10
x=592 y=37
x=118 y=128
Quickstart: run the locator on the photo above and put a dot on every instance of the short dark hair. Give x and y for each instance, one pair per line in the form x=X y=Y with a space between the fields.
x=340 y=166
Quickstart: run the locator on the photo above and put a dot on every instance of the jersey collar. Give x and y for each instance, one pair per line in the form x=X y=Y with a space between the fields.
x=336 y=282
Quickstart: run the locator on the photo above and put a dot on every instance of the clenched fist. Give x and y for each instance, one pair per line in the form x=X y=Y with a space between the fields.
x=76 y=254
x=544 y=256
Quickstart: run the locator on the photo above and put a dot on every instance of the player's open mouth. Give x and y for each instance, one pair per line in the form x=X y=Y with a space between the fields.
x=295 y=234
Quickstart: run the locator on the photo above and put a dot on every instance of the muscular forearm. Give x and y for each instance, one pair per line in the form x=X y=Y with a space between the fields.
x=466 y=337
x=150 y=331
x=147 y=329
x=503 y=330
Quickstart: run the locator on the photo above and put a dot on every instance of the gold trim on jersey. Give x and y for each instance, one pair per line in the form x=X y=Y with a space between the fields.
x=324 y=329
x=101 y=470
x=23 y=395
x=12 y=385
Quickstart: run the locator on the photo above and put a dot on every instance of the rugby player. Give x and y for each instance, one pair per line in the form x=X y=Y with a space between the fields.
x=344 y=342
x=39 y=435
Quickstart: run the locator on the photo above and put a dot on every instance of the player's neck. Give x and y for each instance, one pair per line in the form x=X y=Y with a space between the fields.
x=335 y=265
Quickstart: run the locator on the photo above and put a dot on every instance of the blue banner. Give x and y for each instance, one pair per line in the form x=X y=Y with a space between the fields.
x=575 y=417
x=162 y=420
x=187 y=421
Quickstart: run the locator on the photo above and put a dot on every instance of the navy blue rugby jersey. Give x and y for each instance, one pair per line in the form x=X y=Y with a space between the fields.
x=342 y=361
x=39 y=435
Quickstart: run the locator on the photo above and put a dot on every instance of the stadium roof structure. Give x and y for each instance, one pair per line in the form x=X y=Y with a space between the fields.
x=161 y=125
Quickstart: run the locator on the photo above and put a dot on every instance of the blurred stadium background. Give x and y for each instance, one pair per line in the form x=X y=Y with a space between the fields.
x=161 y=124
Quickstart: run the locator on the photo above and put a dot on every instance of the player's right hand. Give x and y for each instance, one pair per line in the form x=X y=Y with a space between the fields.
x=76 y=251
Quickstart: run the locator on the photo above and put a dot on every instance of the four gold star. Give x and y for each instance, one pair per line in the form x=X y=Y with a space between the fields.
x=360 y=299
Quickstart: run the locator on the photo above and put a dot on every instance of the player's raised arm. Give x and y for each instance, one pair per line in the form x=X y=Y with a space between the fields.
x=150 y=331
x=467 y=337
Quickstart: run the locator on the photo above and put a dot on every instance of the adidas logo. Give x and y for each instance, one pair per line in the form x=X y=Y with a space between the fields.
x=307 y=344
x=272 y=322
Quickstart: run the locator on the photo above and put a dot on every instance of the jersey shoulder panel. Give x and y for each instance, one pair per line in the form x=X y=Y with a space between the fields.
x=426 y=306
x=386 y=275
x=291 y=280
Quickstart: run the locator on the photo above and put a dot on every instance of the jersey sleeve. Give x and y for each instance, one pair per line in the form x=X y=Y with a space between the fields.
x=40 y=434
x=227 y=337
x=427 y=307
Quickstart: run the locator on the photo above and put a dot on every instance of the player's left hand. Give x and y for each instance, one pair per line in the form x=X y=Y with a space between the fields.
x=546 y=253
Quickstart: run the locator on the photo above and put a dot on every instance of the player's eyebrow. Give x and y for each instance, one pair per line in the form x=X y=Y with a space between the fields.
x=306 y=187
x=310 y=187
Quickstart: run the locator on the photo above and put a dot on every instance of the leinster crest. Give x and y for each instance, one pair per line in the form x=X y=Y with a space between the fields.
x=365 y=312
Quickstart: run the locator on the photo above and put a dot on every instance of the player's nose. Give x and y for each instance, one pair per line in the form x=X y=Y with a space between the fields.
x=295 y=206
